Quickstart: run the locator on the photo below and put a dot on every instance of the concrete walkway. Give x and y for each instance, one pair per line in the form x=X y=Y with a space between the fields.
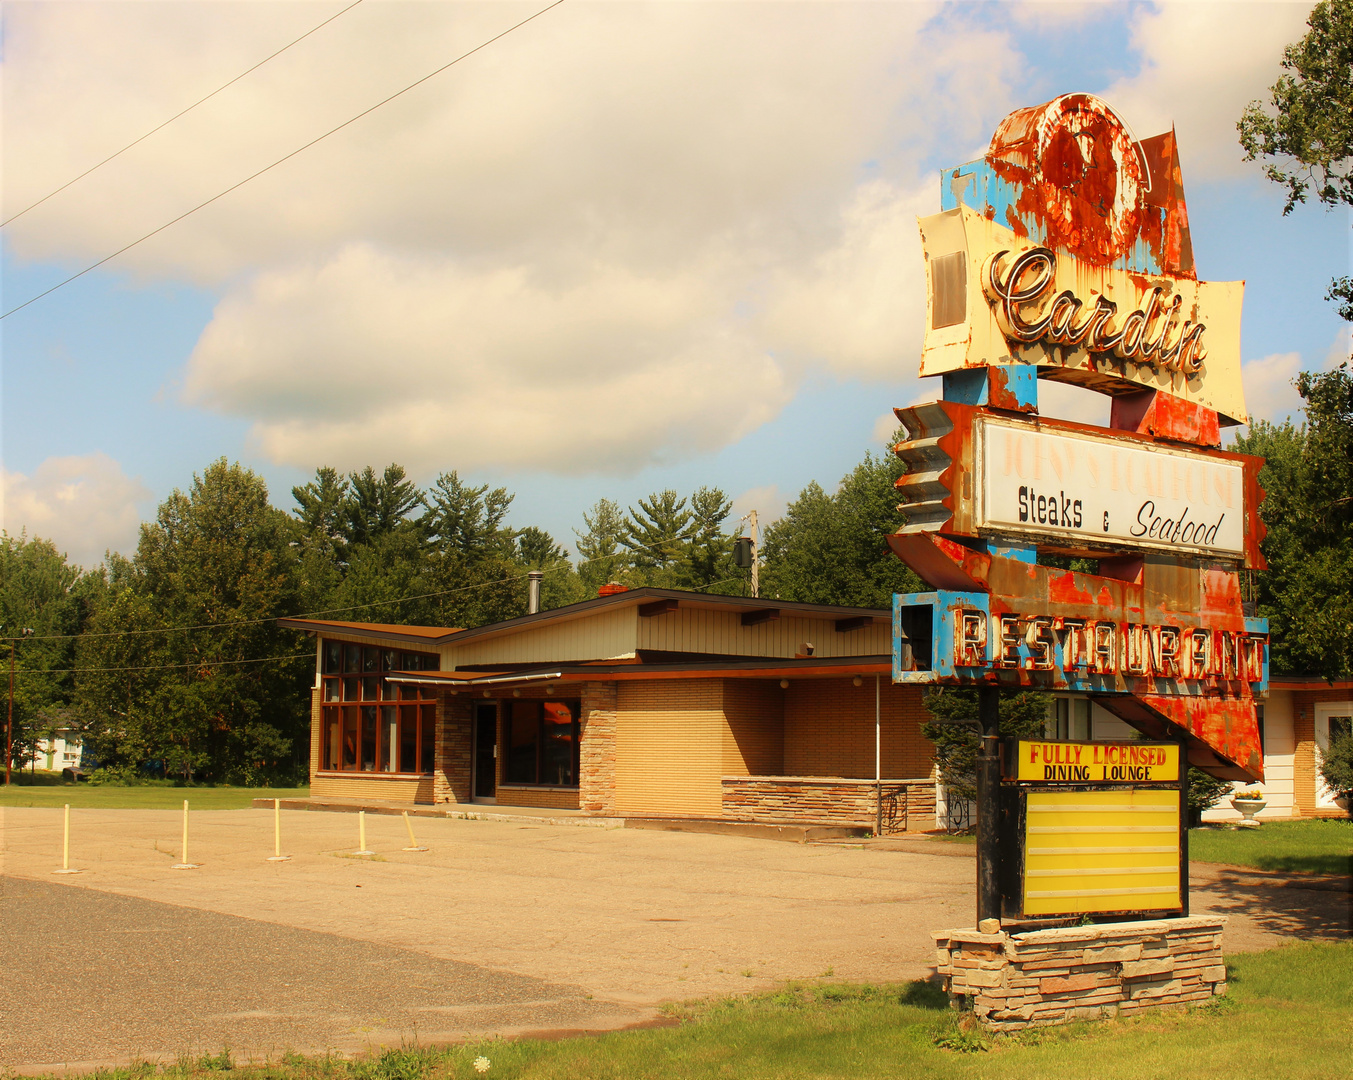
x=501 y=927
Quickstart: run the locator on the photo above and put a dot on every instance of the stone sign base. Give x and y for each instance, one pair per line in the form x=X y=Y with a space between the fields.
x=1040 y=977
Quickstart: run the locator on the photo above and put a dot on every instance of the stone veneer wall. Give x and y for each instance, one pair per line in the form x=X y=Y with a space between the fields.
x=596 y=751
x=451 y=764
x=908 y=804
x=1041 y=977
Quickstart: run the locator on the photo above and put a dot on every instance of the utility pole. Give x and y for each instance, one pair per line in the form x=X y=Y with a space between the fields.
x=988 y=788
x=9 y=727
x=756 y=580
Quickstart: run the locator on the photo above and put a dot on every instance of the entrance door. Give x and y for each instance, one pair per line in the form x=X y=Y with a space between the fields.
x=485 y=750
x=1332 y=718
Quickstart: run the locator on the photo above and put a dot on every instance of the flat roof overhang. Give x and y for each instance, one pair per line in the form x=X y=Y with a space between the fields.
x=815 y=667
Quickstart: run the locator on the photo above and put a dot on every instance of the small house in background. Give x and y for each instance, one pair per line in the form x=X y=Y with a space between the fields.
x=662 y=703
x=60 y=750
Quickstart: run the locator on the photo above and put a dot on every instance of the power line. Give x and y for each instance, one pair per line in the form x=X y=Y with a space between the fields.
x=182 y=112
x=161 y=667
x=279 y=161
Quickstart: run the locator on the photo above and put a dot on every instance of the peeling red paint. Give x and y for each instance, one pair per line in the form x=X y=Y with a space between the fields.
x=1065 y=589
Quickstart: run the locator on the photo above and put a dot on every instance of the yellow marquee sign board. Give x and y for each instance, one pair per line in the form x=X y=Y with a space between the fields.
x=1096 y=763
x=1102 y=851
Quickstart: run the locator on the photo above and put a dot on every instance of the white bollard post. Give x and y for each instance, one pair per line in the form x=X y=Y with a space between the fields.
x=185 y=864
x=65 y=844
x=361 y=835
x=413 y=843
x=277 y=855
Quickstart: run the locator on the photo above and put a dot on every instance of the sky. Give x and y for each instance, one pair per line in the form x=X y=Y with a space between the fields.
x=625 y=247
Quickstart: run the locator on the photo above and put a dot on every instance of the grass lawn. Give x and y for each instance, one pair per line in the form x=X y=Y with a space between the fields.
x=156 y=795
x=1289 y=1014
x=1313 y=846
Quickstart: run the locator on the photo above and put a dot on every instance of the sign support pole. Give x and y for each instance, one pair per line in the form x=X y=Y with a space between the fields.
x=988 y=794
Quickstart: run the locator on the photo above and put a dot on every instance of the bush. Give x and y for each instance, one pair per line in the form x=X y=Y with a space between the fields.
x=1204 y=792
x=1336 y=766
x=956 y=732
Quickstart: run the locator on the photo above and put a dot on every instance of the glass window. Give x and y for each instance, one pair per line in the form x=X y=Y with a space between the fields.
x=558 y=744
x=428 y=739
x=350 y=738
x=389 y=738
x=523 y=742
x=408 y=738
x=542 y=742
x=368 y=738
x=367 y=734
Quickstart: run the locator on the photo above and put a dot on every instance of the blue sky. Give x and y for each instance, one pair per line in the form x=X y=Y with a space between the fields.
x=625 y=248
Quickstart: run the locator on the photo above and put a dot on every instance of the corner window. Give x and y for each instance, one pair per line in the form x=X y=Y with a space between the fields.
x=541 y=738
x=381 y=726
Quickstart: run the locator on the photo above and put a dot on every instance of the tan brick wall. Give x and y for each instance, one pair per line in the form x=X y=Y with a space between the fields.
x=451 y=758
x=550 y=798
x=754 y=732
x=1304 y=780
x=669 y=747
x=596 y=786
x=829 y=729
x=316 y=731
x=373 y=786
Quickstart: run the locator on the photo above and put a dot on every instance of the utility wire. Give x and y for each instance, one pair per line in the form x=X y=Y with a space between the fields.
x=161 y=667
x=182 y=112
x=279 y=161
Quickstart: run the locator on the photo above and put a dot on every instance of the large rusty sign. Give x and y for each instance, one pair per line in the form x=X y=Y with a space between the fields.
x=1064 y=253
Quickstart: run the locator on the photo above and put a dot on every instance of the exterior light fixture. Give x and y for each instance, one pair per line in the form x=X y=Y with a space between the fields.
x=784 y=684
x=857 y=681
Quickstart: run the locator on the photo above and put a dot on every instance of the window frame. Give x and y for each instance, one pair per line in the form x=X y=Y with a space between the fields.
x=509 y=717
x=355 y=689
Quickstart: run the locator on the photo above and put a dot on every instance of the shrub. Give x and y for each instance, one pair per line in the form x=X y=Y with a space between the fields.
x=1336 y=766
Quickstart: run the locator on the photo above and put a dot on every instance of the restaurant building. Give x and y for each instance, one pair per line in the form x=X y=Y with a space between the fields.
x=661 y=703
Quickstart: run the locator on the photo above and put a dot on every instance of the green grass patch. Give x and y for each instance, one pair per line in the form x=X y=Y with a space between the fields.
x=955 y=838
x=1289 y=1015
x=1313 y=846
x=155 y=795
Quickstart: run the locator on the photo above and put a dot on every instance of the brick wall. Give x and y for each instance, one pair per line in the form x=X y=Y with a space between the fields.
x=316 y=731
x=530 y=795
x=1305 y=782
x=907 y=804
x=1044 y=977
x=451 y=761
x=829 y=729
x=754 y=730
x=596 y=784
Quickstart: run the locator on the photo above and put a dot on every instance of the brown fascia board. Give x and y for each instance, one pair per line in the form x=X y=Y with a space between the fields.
x=1308 y=682
x=420 y=635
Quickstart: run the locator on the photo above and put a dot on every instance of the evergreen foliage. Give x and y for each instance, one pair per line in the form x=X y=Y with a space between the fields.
x=956 y=731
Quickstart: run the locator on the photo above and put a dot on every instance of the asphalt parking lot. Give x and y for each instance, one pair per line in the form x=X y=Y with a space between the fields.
x=499 y=928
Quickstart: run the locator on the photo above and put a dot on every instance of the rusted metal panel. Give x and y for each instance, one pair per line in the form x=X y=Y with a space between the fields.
x=1165 y=416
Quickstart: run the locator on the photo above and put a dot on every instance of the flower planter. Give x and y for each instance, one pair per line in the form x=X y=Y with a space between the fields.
x=1248 y=808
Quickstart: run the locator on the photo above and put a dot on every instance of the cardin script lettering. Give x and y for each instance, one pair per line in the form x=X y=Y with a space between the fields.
x=1019 y=288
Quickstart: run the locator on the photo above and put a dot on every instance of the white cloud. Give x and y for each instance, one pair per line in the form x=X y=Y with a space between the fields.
x=768 y=501
x=1202 y=63
x=86 y=505
x=619 y=236
x=1269 y=393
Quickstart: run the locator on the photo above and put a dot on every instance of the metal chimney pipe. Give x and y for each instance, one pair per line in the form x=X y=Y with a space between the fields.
x=533 y=591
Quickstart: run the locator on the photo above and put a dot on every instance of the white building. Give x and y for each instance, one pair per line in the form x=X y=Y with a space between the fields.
x=61 y=751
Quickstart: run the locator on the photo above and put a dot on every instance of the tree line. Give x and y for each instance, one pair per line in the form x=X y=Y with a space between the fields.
x=169 y=660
